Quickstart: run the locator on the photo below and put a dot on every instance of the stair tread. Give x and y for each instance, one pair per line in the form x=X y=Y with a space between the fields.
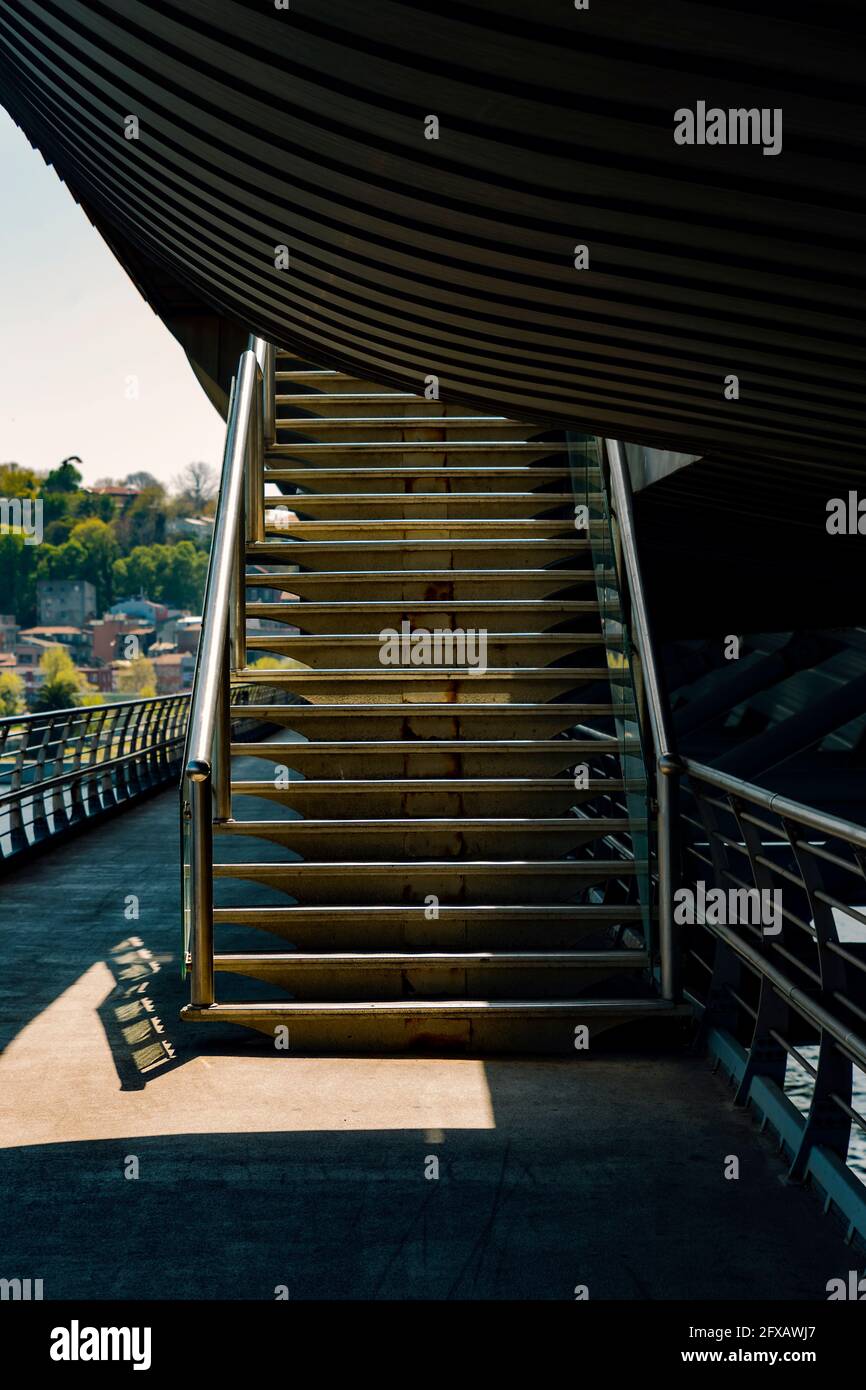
x=442 y=1007
x=594 y=912
x=409 y=823
x=444 y=958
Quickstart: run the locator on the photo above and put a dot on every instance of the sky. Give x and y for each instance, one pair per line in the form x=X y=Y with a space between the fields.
x=73 y=330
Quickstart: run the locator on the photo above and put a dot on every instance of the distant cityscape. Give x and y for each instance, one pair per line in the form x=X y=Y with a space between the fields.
x=107 y=604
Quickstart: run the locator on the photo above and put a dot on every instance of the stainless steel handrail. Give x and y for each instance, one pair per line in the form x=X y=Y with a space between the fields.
x=221 y=578
x=667 y=764
x=205 y=786
x=779 y=805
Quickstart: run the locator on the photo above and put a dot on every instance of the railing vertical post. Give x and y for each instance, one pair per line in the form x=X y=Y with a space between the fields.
x=667 y=796
x=255 y=471
x=237 y=622
x=201 y=892
x=269 y=391
x=222 y=794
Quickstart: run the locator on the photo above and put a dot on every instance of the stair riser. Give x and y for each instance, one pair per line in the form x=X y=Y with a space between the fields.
x=450 y=508
x=366 y=405
x=542 y=842
x=398 y=886
x=390 y=554
x=473 y=647
x=418 y=454
x=482 y=1035
x=396 y=430
x=430 y=686
x=448 y=933
x=418 y=983
x=450 y=724
x=363 y=479
x=421 y=761
x=404 y=588
x=311 y=618
x=347 y=802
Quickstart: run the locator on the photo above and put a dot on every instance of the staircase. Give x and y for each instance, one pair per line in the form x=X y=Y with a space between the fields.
x=439 y=854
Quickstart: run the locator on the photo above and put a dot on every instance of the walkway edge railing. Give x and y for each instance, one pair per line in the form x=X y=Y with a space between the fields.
x=205 y=785
x=62 y=770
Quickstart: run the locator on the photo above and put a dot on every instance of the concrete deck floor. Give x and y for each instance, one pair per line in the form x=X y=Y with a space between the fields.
x=259 y=1169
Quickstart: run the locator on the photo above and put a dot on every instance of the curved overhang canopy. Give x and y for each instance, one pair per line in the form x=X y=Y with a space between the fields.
x=308 y=128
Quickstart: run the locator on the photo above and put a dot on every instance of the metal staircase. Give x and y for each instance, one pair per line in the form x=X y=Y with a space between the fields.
x=441 y=847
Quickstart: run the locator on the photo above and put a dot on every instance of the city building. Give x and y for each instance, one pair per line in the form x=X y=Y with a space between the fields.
x=65 y=602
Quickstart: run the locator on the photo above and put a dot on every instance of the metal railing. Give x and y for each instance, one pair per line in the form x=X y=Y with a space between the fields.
x=206 y=779
x=64 y=768
x=633 y=647
x=782 y=972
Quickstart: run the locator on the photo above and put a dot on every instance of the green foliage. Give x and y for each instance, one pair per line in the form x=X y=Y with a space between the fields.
x=61 y=687
x=18 y=577
x=11 y=694
x=64 y=478
x=171 y=574
x=119 y=548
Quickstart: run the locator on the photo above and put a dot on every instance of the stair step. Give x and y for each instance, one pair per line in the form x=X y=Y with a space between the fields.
x=483 y=448
x=344 y=975
x=362 y=478
x=367 y=615
x=534 y=926
x=365 y=403
x=487 y=509
x=398 y=529
x=466 y=1025
x=430 y=837
x=532 y=551
x=425 y=880
x=388 y=429
x=391 y=722
x=339 y=798
x=409 y=586
x=448 y=684
x=377 y=758
x=366 y=650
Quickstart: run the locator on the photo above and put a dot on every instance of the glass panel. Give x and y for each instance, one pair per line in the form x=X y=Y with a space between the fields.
x=590 y=493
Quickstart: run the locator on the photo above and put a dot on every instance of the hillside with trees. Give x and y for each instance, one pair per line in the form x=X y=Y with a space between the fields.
x=122 y=545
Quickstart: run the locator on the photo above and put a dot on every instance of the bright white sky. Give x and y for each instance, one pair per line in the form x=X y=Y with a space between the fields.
x=72 y=329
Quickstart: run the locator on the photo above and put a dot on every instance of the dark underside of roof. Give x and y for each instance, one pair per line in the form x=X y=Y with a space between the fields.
x=305 y=127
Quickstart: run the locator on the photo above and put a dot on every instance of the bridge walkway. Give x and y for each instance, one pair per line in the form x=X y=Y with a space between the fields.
x=258 y=1169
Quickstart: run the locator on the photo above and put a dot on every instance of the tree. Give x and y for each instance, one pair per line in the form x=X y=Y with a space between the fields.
x=96 y=539
x=64 y=478
x=11 y=694
x=61 y=682
x=16 y=481
x=143 y=521
x=197 y=484
x=19 y=564
x=144 y=481
x=137 y=677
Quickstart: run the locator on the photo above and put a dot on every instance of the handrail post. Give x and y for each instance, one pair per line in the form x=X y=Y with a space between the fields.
x=222 y=795
x=237 y=609
x=255 y=467
x=201 y=892
x=269 y=390
x=667 y=764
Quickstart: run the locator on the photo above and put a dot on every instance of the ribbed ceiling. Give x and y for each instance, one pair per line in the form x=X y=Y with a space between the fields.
x=454 y=257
